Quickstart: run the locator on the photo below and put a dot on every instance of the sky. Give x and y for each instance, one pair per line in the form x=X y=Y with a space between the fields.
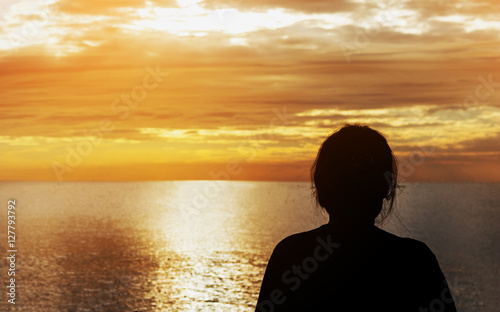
x=245 y=90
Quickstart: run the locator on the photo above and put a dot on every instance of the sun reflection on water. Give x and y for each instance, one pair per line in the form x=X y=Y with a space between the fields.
x=205 y=228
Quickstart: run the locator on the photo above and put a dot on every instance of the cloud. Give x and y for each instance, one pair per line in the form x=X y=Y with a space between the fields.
x=106 y=7
x=429 y=8
x=219 y=83
x=489 y=145
x=314 y=6
x=410 y=77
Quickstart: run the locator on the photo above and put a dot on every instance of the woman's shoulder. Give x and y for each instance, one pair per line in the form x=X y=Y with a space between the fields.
x=406 y=242
x=295 y=238
x=407 y=249
x=304 y=244
x=320 y=235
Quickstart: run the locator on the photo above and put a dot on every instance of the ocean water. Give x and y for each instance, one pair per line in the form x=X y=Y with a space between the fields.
x=204 y=245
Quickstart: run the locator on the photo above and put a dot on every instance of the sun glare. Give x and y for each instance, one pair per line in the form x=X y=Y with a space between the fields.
x=275 y=76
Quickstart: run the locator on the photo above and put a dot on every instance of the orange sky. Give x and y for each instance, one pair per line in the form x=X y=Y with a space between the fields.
x=245 y=90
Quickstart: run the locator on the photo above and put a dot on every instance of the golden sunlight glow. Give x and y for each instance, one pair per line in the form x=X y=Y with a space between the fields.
x=191 y=85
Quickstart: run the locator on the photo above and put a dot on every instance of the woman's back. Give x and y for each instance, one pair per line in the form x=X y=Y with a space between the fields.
x=335 y=268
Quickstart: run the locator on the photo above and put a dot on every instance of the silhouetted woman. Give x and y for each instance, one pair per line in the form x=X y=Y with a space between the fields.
x=350 y=264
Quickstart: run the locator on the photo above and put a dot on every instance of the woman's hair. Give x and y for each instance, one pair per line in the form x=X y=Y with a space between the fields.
x=354 y=172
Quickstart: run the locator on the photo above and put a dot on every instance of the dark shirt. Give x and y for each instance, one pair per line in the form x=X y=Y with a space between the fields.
x=332 y=268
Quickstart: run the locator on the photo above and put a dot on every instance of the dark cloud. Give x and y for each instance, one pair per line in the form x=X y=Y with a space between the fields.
x=490 y=144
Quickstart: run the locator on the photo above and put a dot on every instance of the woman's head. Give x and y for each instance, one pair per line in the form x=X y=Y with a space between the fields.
x=354 y=172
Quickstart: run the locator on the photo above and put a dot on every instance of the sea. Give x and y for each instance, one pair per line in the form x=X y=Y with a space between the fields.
x=204 y=245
